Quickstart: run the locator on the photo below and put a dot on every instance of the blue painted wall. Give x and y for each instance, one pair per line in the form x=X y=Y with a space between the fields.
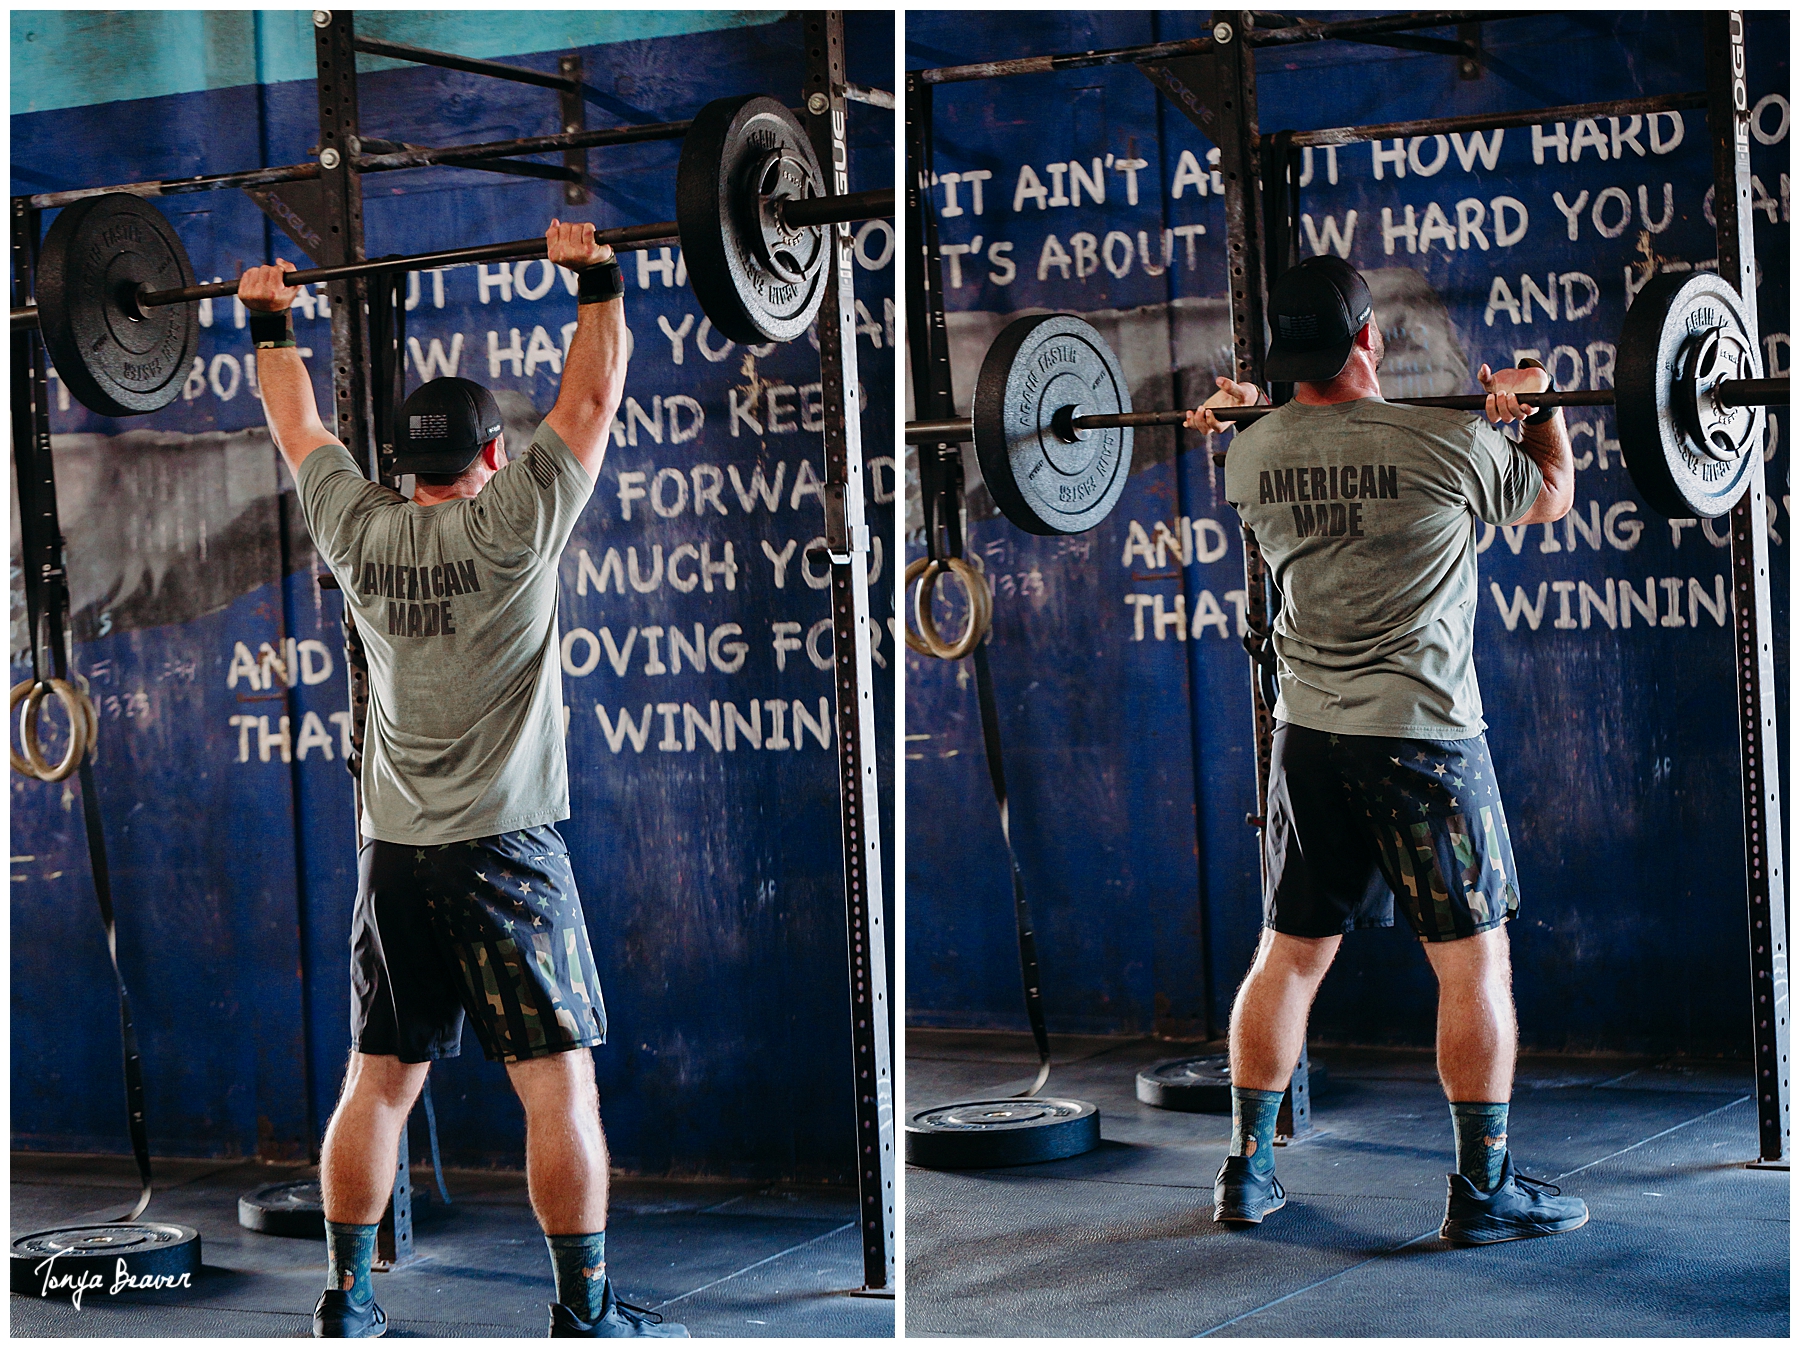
x=711 y=874
x=1123 y=690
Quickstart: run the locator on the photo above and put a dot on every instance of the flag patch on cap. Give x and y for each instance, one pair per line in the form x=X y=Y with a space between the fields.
x=430 y=426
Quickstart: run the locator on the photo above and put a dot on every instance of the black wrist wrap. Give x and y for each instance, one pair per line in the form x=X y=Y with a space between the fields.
x=271 y=329
x=598 y=284
x=1543 y=414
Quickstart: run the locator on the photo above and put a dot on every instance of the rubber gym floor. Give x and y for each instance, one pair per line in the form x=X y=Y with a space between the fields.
x=741 y=1260
x=1684 y=1241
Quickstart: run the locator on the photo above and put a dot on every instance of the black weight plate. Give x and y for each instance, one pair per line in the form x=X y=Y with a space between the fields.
x=55 y=1262
x=1043 y=482
x=1675 y=472
x=975 y=1134
x=1192 y=1085
x=757 y=281
x=295 y=1208
x=1201 y=1085
x=116 y=360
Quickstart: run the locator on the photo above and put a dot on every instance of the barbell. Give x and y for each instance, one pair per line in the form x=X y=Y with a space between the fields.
x=115 y=289
x=1052 y=419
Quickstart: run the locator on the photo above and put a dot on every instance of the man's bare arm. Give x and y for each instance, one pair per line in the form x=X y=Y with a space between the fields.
x=1546 y=444
x=287 y=391
x=593 y=380
x=1549 y=448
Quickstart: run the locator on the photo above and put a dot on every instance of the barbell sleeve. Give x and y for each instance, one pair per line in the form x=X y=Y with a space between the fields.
x=939 y=432
x=1753 y=392
x=817 y=211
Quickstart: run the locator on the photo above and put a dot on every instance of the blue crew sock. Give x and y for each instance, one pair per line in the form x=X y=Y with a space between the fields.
x=349 y=1249
x=580 y=1264
x=1480 y=1143
x=1253 y=1126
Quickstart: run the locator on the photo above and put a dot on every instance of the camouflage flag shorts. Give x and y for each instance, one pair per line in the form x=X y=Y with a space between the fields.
x=490 y=928
x=1358 y=822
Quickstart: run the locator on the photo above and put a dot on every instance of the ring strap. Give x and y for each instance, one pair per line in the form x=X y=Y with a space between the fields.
x=134 y=1065
x=940 y=485
x=45 y=584
x=437 y=1166
x=1028 y=957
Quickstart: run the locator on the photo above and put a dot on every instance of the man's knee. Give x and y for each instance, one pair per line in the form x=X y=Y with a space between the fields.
x=556 y=1081
x=1298 y=956
x=1482 y=958
x=384 y=1079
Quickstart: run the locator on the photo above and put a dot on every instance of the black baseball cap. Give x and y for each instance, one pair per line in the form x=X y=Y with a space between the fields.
x=1315 y=311
x=443 y=426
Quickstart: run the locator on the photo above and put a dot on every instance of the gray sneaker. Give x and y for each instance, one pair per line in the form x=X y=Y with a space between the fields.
x=337 y=1316
x=1518 y=1208
x=1242 y=1195
x=617 y=1320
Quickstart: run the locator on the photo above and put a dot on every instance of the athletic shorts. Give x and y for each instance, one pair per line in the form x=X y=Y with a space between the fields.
x=1358 y=821
x=491 y=929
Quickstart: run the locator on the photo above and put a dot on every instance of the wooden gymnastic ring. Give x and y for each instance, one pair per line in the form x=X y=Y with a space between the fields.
x=980 y=600
x=93 y=718
x=980 y=609
x=19 y=765
x=72 y=699
x=913 y=641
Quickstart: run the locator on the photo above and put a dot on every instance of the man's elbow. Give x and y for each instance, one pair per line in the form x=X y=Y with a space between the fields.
x=1561 y=499
x=1551 y=505
x=596 y=411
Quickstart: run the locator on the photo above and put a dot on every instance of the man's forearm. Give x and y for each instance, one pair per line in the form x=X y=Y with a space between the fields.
x=593 y=381
x=595 y=370
x=288 y=402
x=1547 y=445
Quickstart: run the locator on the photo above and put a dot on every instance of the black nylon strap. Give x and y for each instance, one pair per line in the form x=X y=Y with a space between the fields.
x=601 y=283
x=1028 y=959
x=437 y=1166
x=941 y=499
x=1543 y=414
x=40 y=543
x=134 y=1065
x=271 y=330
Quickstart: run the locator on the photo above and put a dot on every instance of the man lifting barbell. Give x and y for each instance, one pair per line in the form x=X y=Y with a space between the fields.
x=1380 y=782
x=466 y=903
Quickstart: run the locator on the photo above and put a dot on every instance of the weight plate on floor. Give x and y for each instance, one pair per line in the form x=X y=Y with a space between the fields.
x=1201 y=1085
x=295 y=1208
x=116 y=359
x=1046 y=476
x=156 y=1256
x=757 y=279
x=1682 y=336
x=975 y=1134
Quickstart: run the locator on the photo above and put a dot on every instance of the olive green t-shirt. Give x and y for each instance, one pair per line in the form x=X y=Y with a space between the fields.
x=456 y=606
x=1368 y=514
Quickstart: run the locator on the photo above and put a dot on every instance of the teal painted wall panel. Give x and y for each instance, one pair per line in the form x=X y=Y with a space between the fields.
x=76 y=58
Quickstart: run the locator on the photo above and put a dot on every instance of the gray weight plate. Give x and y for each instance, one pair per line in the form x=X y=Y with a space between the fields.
x=975 y=1134
x=1682 y=336
x=116 y=359
x=295 y=1208
x=1046 y=477
x=756 y=279
x=1201 y=1085
x=158 y=1257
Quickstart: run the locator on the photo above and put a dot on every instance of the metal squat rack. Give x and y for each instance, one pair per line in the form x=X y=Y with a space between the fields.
x=319 y=205
x=1211 y=81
